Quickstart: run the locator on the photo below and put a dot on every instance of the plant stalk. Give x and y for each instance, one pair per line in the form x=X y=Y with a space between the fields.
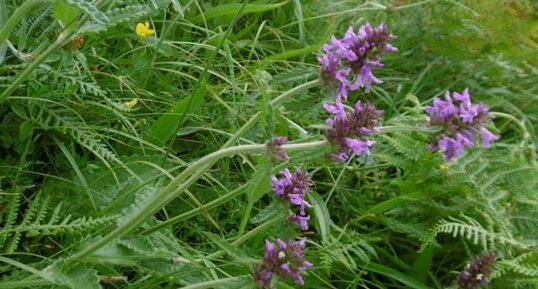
x=178 y=185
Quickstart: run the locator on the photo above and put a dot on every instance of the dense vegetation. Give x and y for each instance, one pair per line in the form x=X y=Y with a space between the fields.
x=138 y=140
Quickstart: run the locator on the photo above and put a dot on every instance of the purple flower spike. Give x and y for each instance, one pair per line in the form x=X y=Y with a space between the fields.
x=461 y=121
x=292 y=188
x=351 y=131
x=276 y=148
x=477 y=272
x=349 y=61
x=284 y=259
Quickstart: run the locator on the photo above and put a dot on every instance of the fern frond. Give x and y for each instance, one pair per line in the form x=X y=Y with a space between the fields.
x=49 y=119
x=38 y=220
x=11 y=214
x=472 y=230
x=406 y=145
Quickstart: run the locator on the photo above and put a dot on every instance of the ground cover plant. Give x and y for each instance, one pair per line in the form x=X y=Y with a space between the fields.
x=268 y=144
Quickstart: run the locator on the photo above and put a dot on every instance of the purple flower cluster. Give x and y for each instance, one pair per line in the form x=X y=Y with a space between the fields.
x=349 y=61
x=476 y=273
x=284 y=259
x=350 y=131
x=461 y=121
x=293 y=188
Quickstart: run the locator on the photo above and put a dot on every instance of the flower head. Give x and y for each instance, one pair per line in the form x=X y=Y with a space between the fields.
x=461 y=122
x=350 y=131
x=477 y=272
x=143 y=30
x=284 y=259
x=349 y=61
x=292 y=187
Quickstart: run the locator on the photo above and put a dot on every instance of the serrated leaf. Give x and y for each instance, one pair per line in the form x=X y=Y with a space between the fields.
x=127 y=251
x=117 y=16
x=141 y=245
x=74 y=275
x=88 y=8
x=271 y=211
x=259 y=183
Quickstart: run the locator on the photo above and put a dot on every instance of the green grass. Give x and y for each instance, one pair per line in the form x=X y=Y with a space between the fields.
x=139 y=162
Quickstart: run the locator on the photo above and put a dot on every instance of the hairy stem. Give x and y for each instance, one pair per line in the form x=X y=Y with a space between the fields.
x=178 y=185
x=16 y=17
x=525 y=133
x=215 y=283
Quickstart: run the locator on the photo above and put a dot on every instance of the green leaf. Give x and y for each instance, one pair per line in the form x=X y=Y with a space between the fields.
x=398 y=276
x=127 y=251
x=230 y=249
x=26 y=130
x=321 y=213
x=88 y=8
x=393 y=202
x=65 y=13
x=117 y=16
x=259 y=183
x=232 y=9
x=292 y=53
x=166 y=126
x=271 y=211
x=19 y=111
x=422 y=265
x=74 y=275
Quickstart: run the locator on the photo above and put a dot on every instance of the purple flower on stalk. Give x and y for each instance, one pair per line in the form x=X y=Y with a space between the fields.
x=461 y=122
x=284 y=259
x=477 y=272
x=350 y=60
x=292 y=187
x=350 y=131
x=275 y=147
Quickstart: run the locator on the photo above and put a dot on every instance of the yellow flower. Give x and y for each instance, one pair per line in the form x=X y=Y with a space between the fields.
x=130 y=104
x=143 y=30
x=443 y=167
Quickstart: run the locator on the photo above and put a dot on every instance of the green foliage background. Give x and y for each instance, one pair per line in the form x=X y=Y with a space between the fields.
x=91 y=133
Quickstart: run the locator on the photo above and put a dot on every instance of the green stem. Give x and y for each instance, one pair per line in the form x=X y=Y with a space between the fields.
x=281 y=98
x=243 y=130
x=178 y=185
x=187 y=215
x=519 y=123
x=26 y=283
x=245 y=219
x=16 y=17
x=215 y=283
x=390 y=129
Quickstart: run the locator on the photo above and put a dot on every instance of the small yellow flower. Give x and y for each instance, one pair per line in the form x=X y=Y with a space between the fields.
x=443 y=167
x=143 y=30
x=130 y=104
